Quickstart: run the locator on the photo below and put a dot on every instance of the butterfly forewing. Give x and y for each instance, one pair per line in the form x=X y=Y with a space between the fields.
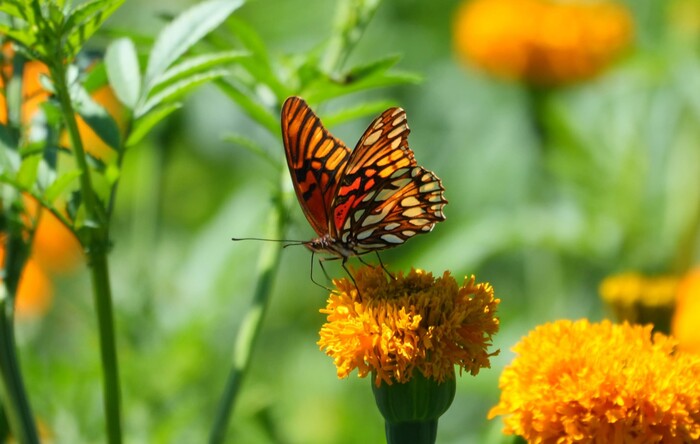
x=316 y=161
x=373 y=198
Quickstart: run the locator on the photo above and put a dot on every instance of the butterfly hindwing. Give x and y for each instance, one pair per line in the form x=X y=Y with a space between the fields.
x=316 y=161
x=385 y=198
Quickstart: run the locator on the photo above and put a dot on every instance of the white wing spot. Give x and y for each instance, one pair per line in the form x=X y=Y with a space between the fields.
x=428 y=187
x=395 y=144
x=408 y=233
x=392 y=238
x=396 y=131
x=365 y=234
x=428 y=227
x=372 y=138
x=358 y=214
x=398 y=173
x=435 y=198
x=415 y=171
x=418 y=222
x=397 y=121
x=396 y=111
x=413 y=212
x=375 y=218
x=391 y=226
x=409 y=201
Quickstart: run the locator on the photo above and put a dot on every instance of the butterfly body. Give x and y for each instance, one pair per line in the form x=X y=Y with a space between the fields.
x=369 y=199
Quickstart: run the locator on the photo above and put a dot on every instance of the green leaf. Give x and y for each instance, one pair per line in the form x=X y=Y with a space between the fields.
x=145 y=123
x=192 y=66
x=178 y=89
x=19 y=9
x=183 y=32
x=84 y=20
x=28 y=170
x=96 y=78
x=368 y=69
x=19 y=34
x=59 y=185
x=123 y=71
x=366 y=109
x=97 y=118
x=255 y=110
x=322 y=91
x=253 y=147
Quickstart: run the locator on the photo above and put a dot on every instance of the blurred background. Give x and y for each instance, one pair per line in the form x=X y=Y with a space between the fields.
x=567 y=158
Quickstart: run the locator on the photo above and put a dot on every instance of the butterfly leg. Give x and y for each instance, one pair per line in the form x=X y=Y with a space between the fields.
x=383 y=266
x=320 y=262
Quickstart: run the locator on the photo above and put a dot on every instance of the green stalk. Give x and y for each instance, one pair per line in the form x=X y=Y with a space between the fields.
x=250 y=328
x=352 y=18
x=13 y=394
x=95 y=241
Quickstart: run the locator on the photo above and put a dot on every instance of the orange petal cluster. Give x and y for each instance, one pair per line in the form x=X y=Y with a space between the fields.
x=575 y=382
x=414 y=322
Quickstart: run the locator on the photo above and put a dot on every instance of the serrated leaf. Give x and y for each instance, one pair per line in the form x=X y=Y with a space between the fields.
x=84 y=20
x=123 y=71
x=253 y=147
x=21 y=35
x=28 y=171
x=255 y=110
x=183 y=32
x=145 y=123
x=192 y=66
x=19 y=9
x=366 y=109
x=97 y=118
x=322 y=91
x=375 y=67
x=60 y=185
x=178 y=89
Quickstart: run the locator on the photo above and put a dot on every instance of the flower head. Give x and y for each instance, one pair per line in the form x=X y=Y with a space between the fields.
x=584 y=382
x=687 y=315
x=544 y=42
x=415 y=322
x=641 y=299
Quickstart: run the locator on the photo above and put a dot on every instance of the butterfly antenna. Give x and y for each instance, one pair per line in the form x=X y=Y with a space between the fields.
x=289 y=242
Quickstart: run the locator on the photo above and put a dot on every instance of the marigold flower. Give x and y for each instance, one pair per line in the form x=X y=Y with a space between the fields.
x=641 y=299
x=544 y=42
x=686 y=319
x=414 y=322
x=582 y=382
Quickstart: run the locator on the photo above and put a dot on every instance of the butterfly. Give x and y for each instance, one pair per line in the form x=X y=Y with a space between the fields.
x=361 y=201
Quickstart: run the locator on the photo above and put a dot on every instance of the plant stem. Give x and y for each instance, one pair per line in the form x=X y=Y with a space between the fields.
x=13 y=394
x=95 y=240
x=352 y=18
x=250 y=328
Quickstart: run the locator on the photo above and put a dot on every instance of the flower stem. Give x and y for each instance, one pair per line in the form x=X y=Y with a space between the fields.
x=418 y=432
x=13 y=394
x=250 y=328
x=95 y=240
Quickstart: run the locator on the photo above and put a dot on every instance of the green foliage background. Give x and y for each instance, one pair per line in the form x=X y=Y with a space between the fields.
x=614 y=188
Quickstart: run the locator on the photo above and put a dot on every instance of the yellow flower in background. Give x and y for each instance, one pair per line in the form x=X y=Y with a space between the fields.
x=414 y=322
x=583 y=382
x=641 y=299
x=543 y=42
x=686 y=320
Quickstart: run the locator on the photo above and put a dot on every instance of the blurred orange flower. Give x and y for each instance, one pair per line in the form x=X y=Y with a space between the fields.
x=687 y=316
x=544 y=42
x=33 y=95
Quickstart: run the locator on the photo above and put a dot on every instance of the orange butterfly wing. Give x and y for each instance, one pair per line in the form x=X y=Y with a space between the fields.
x=385 y=197
x=315 y=159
